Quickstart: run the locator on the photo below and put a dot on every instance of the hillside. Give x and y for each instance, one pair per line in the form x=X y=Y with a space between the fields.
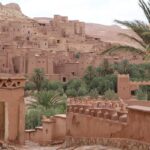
x=110 y=33
x=11 y=11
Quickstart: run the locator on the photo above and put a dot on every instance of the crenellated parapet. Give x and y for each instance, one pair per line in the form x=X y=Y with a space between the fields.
x=115 y=111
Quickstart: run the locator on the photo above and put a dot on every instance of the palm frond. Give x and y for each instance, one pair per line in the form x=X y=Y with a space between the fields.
x=124 y=48
x=146 y=9
x=134 y=39
x=138 y=27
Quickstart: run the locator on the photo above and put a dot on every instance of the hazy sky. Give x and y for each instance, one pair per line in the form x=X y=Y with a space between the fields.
x=96 y=11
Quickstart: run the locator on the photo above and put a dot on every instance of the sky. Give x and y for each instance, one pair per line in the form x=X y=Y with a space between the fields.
x=93 y=11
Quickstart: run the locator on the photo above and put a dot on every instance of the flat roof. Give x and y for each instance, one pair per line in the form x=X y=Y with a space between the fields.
x=61 y=115
x=139 y=108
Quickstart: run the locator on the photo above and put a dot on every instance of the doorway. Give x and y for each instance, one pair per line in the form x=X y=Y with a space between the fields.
x=2 y=120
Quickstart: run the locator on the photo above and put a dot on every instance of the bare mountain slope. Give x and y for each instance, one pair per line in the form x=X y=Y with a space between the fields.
x=11 y=11
x=110 y=33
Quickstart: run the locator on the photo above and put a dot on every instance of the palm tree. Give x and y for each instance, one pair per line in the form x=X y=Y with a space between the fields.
x=45 y=103
x=47 y=100
x=142 y=31
x=106 y=67
x=90 y=73
x=38 y=78
x=123 y=67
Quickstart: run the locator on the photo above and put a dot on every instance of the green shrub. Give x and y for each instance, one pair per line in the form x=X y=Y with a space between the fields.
x=82 y=91
x=110 y=95
x=71 y=93
x=94 y=93
x=55 y=85
x=33 y=118
x=141 y=95
x=29 y=86
x=77 y=55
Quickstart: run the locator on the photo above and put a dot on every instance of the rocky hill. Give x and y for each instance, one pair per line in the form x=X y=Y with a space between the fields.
x=11 y=11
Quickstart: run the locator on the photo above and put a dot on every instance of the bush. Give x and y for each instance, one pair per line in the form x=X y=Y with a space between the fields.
x=33 y=118
x=141 y=95
x=103 y=84
x=94 y=93
x=82 y=91
x=76 y=87
x=110 y=95
x=29 y=86
x=55 y=85
x=77 y=55
x=71 y=93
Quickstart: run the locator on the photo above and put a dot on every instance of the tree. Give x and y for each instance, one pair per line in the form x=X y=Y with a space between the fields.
x=141 y=95
x=33 y=118
x=71 y=93
x=106 y=67
x=46 y=103
x=48 y=100
x=110 y=95
x=90 y=73
x=94 y=93
x=123 y=67
x=76 y=87
x=142 y=31
x=38 y=78
x=82 y=91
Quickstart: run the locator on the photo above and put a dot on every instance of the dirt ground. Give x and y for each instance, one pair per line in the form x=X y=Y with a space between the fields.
x=34 y=146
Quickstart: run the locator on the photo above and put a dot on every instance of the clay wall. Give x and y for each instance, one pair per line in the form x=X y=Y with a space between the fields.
x=85 y=120
x=53 y=77
x=113 y=142
x=12 y=93
x=53 y=130
x=67 y=28
x=125 y=86
x=36 y=60
x=138 y=123
x=132 y=102
x=71 y=70
x=80 y=125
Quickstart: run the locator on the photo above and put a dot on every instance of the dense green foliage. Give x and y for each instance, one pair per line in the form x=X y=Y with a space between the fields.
x=46 y=103
x=97 y=79
x=38 y=78
x=110 y=95
x=51 y=97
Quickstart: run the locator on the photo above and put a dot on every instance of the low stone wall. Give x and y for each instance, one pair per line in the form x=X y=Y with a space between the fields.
x=52 y=131
x=124 y=144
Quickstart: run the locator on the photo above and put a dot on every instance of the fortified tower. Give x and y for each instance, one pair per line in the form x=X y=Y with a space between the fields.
x=124 y=86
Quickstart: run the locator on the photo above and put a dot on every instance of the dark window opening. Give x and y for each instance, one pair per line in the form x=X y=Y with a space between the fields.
x=42 y=24
x=64 y=79
x=133 y=92
x=28 y=38
x=18 y=83
x=73 y=73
